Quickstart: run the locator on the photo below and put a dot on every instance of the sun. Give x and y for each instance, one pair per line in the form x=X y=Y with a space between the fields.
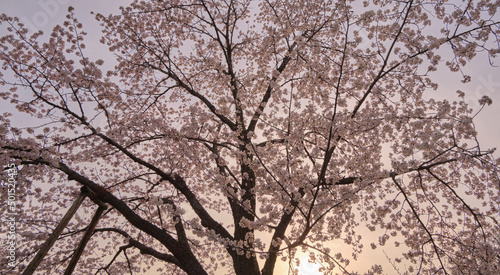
x=309 y=268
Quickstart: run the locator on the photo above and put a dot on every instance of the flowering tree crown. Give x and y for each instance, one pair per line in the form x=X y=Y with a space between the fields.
x=235 y=135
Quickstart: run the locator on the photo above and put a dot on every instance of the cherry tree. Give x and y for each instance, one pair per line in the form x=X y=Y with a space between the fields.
x=231 y=137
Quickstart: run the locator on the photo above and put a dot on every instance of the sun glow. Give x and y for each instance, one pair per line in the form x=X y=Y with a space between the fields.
x=307 y=267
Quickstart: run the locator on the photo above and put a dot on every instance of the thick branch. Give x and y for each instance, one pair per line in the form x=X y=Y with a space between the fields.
x=186 y=258
x=143 y=248
x=179 y=183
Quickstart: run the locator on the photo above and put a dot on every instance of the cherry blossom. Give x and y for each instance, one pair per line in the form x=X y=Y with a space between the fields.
x=231 y=137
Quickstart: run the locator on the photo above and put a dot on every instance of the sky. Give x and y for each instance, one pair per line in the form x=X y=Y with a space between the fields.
x=44 y=14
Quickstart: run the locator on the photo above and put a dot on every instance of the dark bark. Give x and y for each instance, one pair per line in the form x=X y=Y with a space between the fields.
x=245 y=264
x=180 y=250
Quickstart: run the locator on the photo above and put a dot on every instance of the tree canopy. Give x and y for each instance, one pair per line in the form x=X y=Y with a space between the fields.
x=234 y=136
